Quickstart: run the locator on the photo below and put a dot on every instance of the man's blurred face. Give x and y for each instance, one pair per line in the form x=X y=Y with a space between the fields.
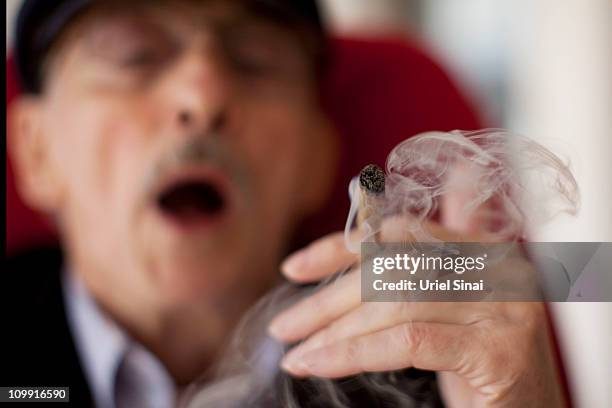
x=179 y=136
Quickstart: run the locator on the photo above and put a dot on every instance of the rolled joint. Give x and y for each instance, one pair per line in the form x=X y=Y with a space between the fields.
x=371 y=197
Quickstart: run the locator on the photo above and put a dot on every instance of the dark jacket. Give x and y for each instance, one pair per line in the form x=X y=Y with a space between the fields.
x=38 y=347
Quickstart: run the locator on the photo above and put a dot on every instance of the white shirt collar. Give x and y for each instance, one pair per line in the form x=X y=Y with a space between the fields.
x=102 y=344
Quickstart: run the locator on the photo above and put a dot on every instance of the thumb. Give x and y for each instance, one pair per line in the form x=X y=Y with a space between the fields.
x=463 y=207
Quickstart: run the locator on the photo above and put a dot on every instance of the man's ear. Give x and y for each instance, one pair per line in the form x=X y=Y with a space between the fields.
x=30 y=151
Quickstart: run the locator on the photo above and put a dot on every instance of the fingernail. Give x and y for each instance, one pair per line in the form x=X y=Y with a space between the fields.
x=284 y=327
x=294 y=363
x=295 y=262
x=276 y=328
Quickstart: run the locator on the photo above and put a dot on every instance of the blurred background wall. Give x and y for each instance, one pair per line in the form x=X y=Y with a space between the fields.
x=541 y=68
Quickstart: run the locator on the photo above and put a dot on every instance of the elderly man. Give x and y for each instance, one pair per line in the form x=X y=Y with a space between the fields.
x=173 y=143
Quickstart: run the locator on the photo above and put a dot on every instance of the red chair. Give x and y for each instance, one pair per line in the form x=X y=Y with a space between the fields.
x=377 y=94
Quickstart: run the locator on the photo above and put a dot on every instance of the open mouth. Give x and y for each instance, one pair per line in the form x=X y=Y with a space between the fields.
x=190 y=201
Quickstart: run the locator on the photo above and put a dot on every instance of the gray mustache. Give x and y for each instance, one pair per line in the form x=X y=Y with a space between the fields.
x=202 y=149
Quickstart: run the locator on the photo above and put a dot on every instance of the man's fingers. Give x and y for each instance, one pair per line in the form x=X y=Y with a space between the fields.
x=428 y=346
x=318 y=310
x=322 y=258
x=376 y=316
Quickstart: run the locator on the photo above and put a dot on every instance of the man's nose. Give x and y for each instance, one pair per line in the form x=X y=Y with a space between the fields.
x=196 y=92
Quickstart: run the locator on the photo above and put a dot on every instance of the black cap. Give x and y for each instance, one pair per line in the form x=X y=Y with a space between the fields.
x=39 y=23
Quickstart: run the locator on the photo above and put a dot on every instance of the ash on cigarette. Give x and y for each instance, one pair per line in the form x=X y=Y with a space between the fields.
x=372 y=179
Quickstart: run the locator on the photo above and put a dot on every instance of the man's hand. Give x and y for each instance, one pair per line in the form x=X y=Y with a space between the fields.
x=485 y=353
